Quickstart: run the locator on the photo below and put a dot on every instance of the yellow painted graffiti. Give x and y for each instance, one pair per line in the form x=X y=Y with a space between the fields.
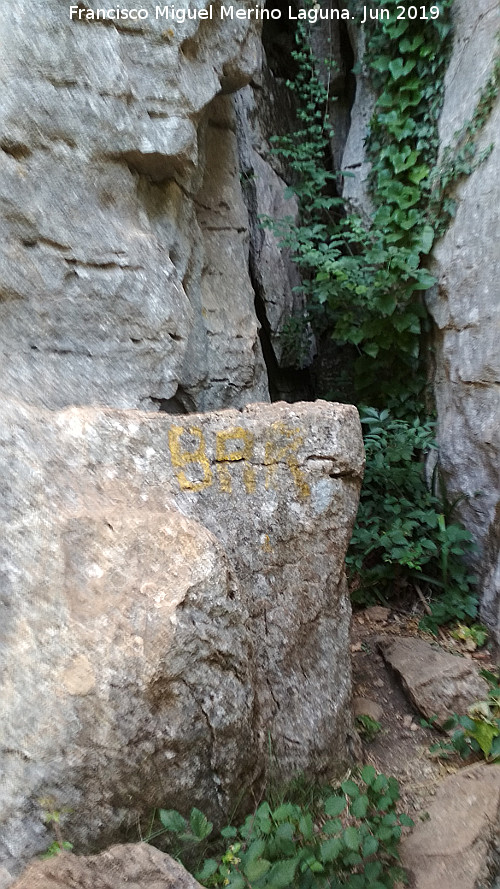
x=224 y=456
x=182 y=458
x=282 y=447
x=233 y=446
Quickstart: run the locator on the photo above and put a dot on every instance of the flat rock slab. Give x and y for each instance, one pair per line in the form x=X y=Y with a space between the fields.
x=173 y=598
x=453 y=847
x=133 y=866
x=437 y=683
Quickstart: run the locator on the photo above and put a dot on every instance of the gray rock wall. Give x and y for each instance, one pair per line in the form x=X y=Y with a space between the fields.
x=465 y=305
x=173 y=595
x=466 y=308
x=124 y=250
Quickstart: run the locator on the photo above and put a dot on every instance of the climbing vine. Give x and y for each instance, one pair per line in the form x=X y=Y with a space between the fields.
x=367 y=282
x=364 y=283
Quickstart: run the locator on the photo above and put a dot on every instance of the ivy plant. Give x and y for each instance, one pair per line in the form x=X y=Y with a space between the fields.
x=364 y=284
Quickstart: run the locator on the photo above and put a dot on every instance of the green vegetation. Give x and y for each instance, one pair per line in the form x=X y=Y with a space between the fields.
x=367 y=727
x=404 y=533
x=473 y=637
x=346 y=837
x=53 y=816
x=363 y=283
x=478 y=733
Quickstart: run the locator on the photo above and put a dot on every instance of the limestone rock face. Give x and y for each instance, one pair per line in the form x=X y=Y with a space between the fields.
x=112 y=250
x=172 y=599
x=354 y=158
x=265 y=109
x=136 y=866
x=466 y=308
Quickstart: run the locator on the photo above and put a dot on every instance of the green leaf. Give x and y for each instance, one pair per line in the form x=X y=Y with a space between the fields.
x=229 y=832
x=495 y=747
x=371 y=349
x=236 y=881
x=370 y=846
x=282 y=813
x=200 y=825
x=484 y=734
x=255 y=850
x=282 y=874
x=372 y=870
x=172 y=820
x=335 y=805
x=368 y=774
x=352 y=838
x=399 y=68
x=380 y=783
x=306 y=826
x=207 y=871
x=332 y=827
x=359 y=807
x=254 y=870
x=418 y=173
x=330 y=849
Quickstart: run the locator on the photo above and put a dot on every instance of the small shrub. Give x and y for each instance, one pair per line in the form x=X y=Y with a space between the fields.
x=403 y=534
x=478 y=733
x=347 y=837
x=367 y=727
x=473 y=637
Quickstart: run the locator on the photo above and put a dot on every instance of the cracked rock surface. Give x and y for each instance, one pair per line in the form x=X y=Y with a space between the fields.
x=173 y=596
x=454 y=846
x=114 y=288
x=465 y=306
x=439 y=684
x=136 y=866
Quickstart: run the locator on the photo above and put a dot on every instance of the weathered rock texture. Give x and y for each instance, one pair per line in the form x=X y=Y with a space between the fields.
x=354 y=158
x=173 y=598
x=121 y=867
x=466 y=307
x=456 y=845
x=124 y=251
x=437 y=683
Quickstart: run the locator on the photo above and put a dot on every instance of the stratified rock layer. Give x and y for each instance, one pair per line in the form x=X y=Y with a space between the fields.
x=466 y=307
x=124 y=251
x=173 y=604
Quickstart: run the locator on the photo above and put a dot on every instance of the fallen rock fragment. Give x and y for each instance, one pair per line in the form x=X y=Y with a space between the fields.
x=132 y=866
x=453 y=847
x=377 y=614
x=437 y=683
x=367 y=707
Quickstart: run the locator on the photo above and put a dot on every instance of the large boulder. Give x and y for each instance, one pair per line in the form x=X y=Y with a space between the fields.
x=465 y=306
x=173 y=606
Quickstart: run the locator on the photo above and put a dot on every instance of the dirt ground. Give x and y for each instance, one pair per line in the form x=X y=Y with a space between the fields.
x=401 y=748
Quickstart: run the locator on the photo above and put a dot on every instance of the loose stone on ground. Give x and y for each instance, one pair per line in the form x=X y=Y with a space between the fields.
x=452 y=849
x=134 y=866
x=437 y=683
